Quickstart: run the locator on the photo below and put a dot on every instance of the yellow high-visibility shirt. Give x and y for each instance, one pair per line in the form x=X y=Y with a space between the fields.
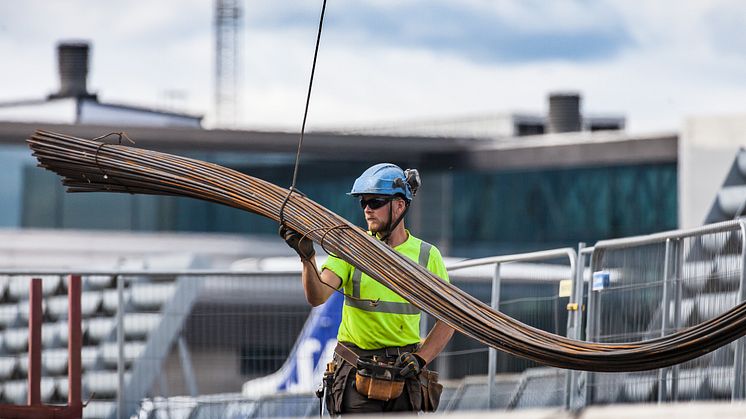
x=393 y=321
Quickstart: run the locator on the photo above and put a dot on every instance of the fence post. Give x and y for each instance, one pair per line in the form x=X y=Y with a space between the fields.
x=665 y=320
x=676 y=268
x=592 y=318
x=492 y=354
x=737 y=392
x=576 y=314
x=120 y=346
x=574 y=325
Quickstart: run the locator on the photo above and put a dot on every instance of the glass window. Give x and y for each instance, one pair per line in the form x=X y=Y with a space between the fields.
x=547 y=208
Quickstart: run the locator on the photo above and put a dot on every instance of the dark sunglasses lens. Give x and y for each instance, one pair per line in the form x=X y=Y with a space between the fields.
x=373 y=203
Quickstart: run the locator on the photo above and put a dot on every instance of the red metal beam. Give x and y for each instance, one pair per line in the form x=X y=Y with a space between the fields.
x=34 y=342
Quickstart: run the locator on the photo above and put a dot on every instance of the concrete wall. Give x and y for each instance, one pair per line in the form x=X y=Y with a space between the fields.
x=707 y=147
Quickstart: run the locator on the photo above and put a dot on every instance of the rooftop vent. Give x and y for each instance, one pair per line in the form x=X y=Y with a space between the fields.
x=564 y=112
x=72 y=59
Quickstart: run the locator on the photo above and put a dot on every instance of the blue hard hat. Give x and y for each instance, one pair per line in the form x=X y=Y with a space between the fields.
x=382 y=179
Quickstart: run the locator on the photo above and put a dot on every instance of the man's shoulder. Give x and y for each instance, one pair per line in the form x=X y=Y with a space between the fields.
x=418 y=241
x=417 y=244
x=337 y=265
x=335 y=259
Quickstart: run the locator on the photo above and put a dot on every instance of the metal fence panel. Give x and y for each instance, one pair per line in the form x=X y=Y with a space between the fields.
x=659 y=285
x=525 y=287
x=152 y=335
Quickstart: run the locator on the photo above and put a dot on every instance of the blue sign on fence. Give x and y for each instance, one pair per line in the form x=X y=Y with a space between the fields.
x=601 y=280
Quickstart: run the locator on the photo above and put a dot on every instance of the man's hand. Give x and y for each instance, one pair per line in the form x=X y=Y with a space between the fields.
x=302 y=245
x=410 y=363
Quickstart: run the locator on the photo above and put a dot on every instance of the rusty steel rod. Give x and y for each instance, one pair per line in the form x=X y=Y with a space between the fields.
x=93 y=166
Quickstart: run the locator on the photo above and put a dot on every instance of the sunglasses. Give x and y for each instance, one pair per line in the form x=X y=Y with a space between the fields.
x=374 y=203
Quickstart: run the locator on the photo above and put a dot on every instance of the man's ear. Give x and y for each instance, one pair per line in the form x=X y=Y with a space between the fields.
x=401 y=205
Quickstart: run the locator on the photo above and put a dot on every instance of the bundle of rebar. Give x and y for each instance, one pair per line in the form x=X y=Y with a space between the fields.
x=94 y=166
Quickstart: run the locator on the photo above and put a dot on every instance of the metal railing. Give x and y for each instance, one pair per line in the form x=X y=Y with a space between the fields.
x=166 y=335
x=498 y=261
x=673 y=247
x=678 y=246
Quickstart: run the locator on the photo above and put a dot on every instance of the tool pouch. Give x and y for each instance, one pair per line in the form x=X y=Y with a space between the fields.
x=431 y=390
x=378 y=389
x=378 y=381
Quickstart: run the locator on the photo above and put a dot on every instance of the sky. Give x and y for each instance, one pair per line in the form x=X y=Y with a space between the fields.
x=656 y=62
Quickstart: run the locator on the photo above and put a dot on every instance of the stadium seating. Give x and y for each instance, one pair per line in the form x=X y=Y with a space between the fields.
x=540 y=387
x=144 y=299
x=472 y=393
x=287 y=406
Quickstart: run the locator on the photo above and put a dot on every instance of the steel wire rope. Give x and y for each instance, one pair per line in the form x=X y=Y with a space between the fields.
x=144 y=171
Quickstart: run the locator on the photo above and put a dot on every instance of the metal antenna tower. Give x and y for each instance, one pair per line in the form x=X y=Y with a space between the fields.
x=228 y=25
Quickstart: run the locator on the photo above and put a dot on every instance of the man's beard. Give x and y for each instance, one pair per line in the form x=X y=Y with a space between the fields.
x=381 y=227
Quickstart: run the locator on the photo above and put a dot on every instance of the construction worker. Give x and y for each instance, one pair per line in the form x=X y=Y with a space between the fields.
x=386 y=331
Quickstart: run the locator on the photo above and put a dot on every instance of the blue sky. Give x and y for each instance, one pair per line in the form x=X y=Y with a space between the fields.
x=384 y=60
x=474 y=32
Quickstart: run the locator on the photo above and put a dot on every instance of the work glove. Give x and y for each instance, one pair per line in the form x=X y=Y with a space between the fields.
x=302 y=245
x=410 y=363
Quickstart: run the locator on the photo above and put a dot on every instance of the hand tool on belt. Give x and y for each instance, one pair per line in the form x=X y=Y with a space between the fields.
x=376 y=377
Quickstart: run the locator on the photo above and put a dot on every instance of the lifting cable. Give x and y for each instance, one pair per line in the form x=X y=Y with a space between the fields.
x=293 y=188
x=87 y=166
x=305 y=115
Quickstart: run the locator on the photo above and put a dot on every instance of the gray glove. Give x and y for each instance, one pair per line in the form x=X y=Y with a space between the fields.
x=302 y=245
x=410 y=363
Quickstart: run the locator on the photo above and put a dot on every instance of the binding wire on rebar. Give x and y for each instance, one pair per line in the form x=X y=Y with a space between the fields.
x=132 y=170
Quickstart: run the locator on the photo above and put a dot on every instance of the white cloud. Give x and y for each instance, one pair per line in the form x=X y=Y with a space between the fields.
x=680 y=63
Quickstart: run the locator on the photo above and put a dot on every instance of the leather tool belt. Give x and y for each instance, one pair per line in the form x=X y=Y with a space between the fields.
x=376 y=377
